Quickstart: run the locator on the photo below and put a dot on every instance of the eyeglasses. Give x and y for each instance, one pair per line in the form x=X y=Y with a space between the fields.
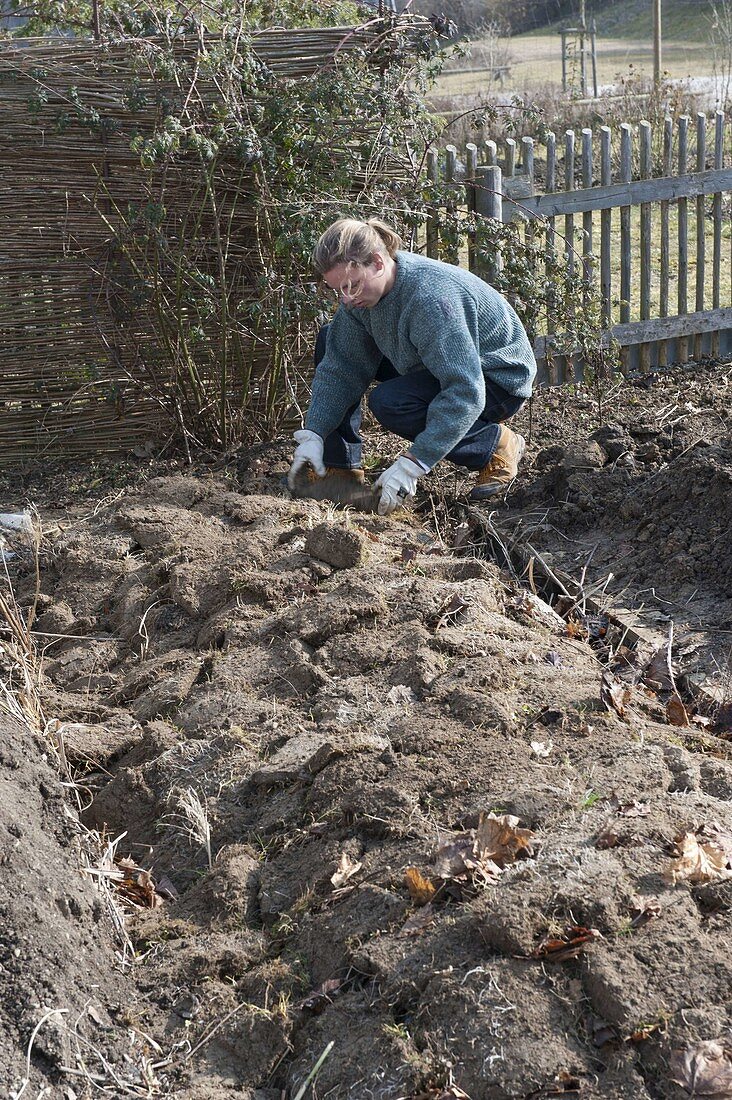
x=347 y=291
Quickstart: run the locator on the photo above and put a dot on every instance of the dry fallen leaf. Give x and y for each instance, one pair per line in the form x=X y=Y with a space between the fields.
x=421 y=889
x=461 y=536
x=715 y=834
x=369 y=534
x=136 y=886
x=615 y=693
x=419 y=921
x=676 y=713
x=643 y=910
x=499 y=839
x=564 y=1083
x=705 y=1071
x=477 y=857
x=656 y=673
x=567 y=946
x=347 y=867
x=451 y=609
x=575 y=629
x=441 y=1092
x=533 y=607
x=455 y=858
x=317 y=1001
x=460 y=863
x=607 y=837
x=633 y=809
x=644 y=1031
x=166 y=889
x=401 y=694
x=698 y=862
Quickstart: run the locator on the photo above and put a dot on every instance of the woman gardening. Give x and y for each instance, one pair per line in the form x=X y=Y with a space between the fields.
x=450 y=356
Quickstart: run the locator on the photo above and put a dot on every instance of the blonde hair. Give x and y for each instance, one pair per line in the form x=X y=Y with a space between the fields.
x=349 y=241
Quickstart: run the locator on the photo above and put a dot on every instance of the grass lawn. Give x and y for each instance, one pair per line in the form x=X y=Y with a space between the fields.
x=536 y=60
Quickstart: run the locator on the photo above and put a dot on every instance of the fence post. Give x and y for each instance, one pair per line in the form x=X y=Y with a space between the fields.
x=510 y=157
x=551 y=254
x=527 y=158
x=433 y=233
x=587 y=175
x=606 y=228
x=494 y=210
x=564 y=61
x=626 y=172
x=701 y=158
x=646 y=141
x=593 y=49
x=471 y=166
x=717 y=223
x=569 y=242
x=665 y=243
x=569 y=186
x=682 y=305
x=451 y=247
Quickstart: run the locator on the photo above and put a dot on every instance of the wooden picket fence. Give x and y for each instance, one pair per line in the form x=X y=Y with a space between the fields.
x=647 y=215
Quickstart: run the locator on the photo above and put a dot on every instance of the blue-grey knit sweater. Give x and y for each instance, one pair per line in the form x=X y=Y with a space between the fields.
x=438 y=317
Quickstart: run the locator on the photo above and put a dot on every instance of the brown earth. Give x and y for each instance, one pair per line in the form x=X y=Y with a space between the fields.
x=348 y=697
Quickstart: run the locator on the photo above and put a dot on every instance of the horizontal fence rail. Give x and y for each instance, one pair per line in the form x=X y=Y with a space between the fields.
x=660 y=328
x=624 y=194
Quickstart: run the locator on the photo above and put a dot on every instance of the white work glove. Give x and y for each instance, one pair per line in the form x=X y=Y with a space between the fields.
x=398 y=484
x=309 y=449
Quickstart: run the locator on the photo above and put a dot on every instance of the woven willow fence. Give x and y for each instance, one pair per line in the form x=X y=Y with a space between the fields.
x=85 y=366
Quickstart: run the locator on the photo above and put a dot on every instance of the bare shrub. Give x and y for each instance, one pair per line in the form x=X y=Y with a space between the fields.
x=492 y=50
x=721 y=42
x=482 y=117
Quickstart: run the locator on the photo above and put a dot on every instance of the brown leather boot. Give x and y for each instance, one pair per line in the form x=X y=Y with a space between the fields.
x=499 y=472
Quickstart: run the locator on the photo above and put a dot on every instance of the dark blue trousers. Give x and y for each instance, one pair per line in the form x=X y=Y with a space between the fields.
x=400 y=403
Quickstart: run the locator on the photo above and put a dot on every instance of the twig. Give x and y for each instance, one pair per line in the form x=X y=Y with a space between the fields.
x=678 y=456
x=142 y=631
x=47 y=1016
x=494 y=534
x=209 y=1034
x=549 y=572
x=311 y=1076
x=669 y=667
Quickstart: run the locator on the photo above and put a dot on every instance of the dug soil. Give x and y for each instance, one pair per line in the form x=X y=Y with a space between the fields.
x=381 y=822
